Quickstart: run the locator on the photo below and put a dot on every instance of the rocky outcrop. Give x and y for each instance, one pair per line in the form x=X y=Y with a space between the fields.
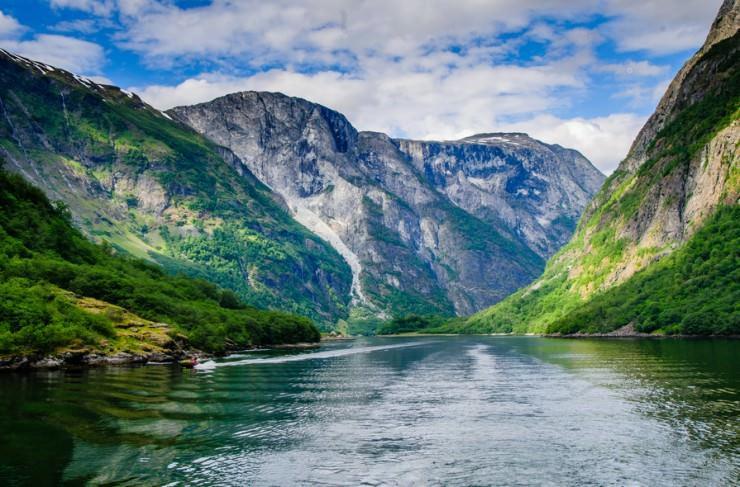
x=679 y=184
x=535 y=189
x=427 y=227
x=689 y=85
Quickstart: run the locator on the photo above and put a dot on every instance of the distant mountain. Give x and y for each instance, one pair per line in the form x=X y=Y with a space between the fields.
x=427 y=227
x=152 y=187
x=284 y=202
x=658 y=249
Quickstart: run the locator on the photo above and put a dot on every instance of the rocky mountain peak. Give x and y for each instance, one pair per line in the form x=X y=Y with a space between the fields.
x=155 y=188
x=688 y=86
x=428 y=227
x=725 y=25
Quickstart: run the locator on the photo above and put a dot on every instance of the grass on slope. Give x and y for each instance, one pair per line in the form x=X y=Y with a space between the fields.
x=693 y=291
x=47 y=269
x=594 y=250
x=218 y=222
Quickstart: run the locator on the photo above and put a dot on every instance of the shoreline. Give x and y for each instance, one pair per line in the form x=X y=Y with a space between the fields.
x=181 y=358
x=610 y=335
x=91 y=359
x=88 y=359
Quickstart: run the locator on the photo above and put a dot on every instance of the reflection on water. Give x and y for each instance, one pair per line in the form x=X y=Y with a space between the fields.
x=453 y=411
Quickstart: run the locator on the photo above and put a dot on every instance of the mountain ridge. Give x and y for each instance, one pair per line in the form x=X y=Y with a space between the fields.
x=394 y=205
x=156 y=189
x=680 y=175
x=131 y=175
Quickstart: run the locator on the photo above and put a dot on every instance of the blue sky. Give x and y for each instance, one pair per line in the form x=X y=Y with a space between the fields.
x=584 y=74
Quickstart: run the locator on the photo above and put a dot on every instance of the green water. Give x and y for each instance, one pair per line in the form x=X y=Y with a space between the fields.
x=397 y=411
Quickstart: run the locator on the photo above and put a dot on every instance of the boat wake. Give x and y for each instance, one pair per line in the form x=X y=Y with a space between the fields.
x=212 y=364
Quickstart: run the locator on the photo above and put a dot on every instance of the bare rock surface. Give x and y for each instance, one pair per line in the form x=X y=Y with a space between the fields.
x=430 y=227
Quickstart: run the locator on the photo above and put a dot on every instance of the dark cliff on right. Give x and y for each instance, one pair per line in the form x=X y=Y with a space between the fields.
x=657 y=250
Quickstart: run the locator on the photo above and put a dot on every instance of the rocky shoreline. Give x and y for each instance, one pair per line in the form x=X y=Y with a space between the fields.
x=85 y=359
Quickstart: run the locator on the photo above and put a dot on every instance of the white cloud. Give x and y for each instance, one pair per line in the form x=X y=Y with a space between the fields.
x=9 y=26
x=97 y=7
x=304 y=31
x=65 y=52
x=62 y=51
x=633 y=69
x=642 y=96
x=83 y=26
x=389 y=66
x=660 y=26
x=289 y=30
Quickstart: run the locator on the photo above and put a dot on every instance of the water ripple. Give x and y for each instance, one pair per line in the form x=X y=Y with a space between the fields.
x=443 y=411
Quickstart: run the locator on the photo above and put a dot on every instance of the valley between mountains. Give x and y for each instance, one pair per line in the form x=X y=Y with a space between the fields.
x=284 y=202
x=258 y=218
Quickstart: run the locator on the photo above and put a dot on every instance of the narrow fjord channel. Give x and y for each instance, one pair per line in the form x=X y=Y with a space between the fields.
x=396 y=411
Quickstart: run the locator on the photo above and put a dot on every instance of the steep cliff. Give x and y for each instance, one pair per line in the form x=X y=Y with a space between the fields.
x=676 y=189
x=427 y=227
x=154 y=188
x=535 y=190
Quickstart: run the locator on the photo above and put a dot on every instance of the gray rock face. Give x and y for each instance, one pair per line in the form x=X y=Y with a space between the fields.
x=427 y=227
x=534 y=189
x=689 y=85
x=674 y=206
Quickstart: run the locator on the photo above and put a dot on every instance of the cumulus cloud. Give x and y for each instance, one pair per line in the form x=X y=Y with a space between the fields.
x=306 y=30
x=420 y=68
x=83 y=26
x=98 y=7
x=659 y=26
x=65 y=52
x=397 y=74
x=9 y=26
x=292 y=31
x=633 y=69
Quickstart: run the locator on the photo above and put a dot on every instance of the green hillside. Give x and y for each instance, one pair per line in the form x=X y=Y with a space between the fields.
x=693 y=291
x=157 y=190
x=60 y=292
x=657 y=248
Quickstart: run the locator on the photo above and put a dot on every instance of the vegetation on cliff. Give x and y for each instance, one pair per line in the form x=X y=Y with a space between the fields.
x=693 y=291
x=159 y=191
x=676 y=282
x=49 y=272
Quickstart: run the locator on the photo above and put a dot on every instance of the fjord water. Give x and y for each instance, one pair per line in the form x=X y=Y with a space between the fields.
x=398 y=411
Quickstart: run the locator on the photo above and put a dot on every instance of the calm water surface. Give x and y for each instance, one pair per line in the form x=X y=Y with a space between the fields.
x=398 y=411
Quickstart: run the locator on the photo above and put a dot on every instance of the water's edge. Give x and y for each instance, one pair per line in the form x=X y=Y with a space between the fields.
x=184 y=358
x=189 y=357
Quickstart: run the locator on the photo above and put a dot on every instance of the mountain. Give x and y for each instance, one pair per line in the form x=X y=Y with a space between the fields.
x=155 y=189
x=286 y=203
x=427 y=227
x=658 y=248
x=61 y=294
